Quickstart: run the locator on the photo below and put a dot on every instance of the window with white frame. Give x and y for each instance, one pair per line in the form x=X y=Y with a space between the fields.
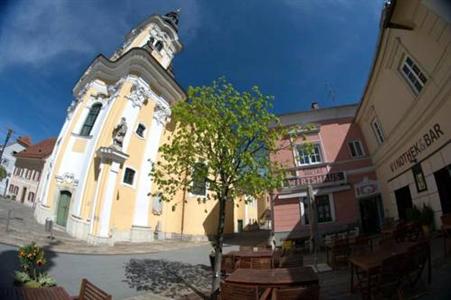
x=140 y=130
x=356 y=148
x=199 y=179
x=377 y=129
x=323 y=209
x=413 y=74
x=129 y=176
x=90 y=119
x=309 y=154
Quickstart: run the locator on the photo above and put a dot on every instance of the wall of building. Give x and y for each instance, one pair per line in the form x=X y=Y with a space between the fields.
x=407 y=116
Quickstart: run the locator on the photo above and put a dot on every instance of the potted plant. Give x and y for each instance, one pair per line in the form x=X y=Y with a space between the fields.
x=427 y=219
x=413 y=214
x=31 y=275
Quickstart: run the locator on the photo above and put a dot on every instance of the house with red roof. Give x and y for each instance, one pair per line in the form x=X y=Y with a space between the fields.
x=29 y=165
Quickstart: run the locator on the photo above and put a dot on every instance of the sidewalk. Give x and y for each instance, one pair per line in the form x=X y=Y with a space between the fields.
x=24 y=229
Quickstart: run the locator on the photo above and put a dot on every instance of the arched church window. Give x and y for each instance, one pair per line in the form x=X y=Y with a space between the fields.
x=151 y=41
x=159 y=46
x=90 y=119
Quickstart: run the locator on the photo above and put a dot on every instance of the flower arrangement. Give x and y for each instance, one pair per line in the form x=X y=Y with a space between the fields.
x=32 y=259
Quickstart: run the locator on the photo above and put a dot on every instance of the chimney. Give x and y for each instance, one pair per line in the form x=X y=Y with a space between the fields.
x=24 y=141
x=315 y=105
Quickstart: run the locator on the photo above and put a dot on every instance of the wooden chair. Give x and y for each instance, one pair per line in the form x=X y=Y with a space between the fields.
x=446 y=230
x=297 y=293
x=231 y=291
x=392 y=275
x=412 y=232
x=89 y=291
x=367 y=282
x=291 y=261
x=340 y=251
x=261 y=262
x=227 y=264
x=244 y=263
x=361 y=245
x=416 y=261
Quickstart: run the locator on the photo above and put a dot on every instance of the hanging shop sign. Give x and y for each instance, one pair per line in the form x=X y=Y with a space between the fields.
x=366 y=188
x=422 y=144
x=420 y=181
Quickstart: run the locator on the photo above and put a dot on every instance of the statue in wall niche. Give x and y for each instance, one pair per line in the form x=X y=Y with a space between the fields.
x=119 y=134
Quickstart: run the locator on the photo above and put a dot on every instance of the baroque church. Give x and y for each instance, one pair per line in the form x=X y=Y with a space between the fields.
x=96 y=183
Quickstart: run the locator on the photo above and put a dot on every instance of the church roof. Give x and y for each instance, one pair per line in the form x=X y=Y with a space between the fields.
x=40 y=150
x=172 y=18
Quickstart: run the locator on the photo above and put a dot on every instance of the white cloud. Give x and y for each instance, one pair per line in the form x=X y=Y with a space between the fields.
x=35 y=32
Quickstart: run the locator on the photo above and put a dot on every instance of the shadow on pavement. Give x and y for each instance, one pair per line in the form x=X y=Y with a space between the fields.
x=168 y=279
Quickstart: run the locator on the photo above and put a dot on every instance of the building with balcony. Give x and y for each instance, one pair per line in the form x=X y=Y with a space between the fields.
x=405 y=111
x=327 y=150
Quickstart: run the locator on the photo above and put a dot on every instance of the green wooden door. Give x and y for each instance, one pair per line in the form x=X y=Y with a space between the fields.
x=63 y=208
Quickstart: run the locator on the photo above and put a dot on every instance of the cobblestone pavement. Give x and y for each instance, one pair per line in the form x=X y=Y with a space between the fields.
x=23 y=229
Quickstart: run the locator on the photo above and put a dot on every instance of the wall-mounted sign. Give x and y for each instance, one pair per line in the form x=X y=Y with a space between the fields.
x=335 y=178
x=414 y=150
x=366 y=188
x=418 y=175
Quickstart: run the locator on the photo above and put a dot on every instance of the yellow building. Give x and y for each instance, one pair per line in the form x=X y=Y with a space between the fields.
x=406 y=107
x=97 y=184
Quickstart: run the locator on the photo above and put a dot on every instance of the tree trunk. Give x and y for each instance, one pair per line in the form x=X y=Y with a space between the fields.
x=218 y=248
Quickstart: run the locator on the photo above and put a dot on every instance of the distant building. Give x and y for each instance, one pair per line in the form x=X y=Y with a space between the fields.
x=337 y=165
x=9 y=160
x=28 y=170
x=405 y=113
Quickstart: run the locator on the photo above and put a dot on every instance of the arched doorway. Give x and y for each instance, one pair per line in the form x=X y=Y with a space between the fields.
x=63 y=208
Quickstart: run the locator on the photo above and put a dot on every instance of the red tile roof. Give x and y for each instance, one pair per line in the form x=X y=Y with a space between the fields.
x=24 y=141
x=39 y=150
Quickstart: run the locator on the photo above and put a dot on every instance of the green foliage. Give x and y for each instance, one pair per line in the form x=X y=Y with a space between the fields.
x=413 y=214
x=232 y=133
x=427 y=216
x=3 y=173
x=32 y=259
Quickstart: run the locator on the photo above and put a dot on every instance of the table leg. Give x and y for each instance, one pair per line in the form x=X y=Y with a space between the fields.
x=352 y=278
x=429 y=265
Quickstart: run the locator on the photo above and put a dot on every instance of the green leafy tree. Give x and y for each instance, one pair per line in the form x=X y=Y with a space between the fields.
x=232 y=134
x=3 y=173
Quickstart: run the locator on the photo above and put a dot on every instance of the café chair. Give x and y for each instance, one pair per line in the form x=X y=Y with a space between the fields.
x=89 y=291
x=446 y=230
x=231 y=291
x=296 y=293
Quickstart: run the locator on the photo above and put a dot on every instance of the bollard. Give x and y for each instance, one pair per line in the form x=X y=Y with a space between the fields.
x=49 y=227
x=10 y=212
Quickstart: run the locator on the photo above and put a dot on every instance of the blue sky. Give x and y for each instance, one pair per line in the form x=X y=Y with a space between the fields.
x=296 y=50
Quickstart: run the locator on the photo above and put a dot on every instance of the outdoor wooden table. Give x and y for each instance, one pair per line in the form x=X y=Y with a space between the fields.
x=49 y=293
x=280 y=277
x=371 y=261
x=248 y=253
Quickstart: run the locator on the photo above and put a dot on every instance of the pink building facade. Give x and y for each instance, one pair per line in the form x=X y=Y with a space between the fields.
x=327 y=150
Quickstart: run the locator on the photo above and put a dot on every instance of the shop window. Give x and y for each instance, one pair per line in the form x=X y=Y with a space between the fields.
x=309 y=156
x=377 y=130
x=323 y=209
x=129 y=176
x=413 y=74
x=140 y=130
x=199 y=181
x=90 y=119
x=356 y=149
